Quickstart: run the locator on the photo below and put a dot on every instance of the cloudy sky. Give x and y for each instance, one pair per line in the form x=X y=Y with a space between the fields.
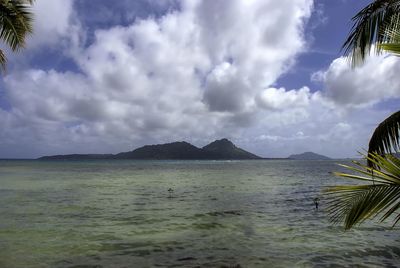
x=109 y=76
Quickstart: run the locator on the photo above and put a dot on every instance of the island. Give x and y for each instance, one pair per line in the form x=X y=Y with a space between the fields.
x=222 y=149
x=308 y=156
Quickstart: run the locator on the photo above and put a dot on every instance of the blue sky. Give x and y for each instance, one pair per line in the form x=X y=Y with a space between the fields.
x=105 y=77
x=325 y=32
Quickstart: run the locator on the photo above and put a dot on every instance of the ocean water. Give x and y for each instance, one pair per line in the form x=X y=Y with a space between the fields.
x=220 y=214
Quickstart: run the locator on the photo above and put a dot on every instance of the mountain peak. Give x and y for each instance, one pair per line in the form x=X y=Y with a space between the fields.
x=225 y=149
x=219 y=144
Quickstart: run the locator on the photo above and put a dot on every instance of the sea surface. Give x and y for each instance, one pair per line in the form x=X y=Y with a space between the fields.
x=220 y=214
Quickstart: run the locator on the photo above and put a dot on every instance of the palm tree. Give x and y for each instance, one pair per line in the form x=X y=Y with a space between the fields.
x=373 y=25
x=353 y=204
x=16 y=23
x=376 y=28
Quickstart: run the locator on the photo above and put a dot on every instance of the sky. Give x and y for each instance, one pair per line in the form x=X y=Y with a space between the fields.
x=110 y=76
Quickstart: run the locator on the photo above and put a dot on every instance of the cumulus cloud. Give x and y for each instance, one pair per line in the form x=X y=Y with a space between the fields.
x=53 y=21
x=250 y=46
x=202 y=71
x=193 y=73
x=226 y=90
x=370 y=83
x=279 y=99
x=319 y=127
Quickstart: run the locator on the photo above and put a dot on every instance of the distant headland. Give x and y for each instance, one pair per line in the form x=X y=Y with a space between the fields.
x=222 y=149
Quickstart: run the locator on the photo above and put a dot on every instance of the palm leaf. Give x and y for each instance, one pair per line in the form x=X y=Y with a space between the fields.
x=386 y=137
x=15 y=24
x=370 y=27
x=3 y=60
x=391 y=47
x=353 y=204
x=392 y=44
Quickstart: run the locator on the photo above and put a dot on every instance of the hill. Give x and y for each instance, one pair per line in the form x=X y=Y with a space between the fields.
x=308 y=156
x=174 y=150
x=225 y=149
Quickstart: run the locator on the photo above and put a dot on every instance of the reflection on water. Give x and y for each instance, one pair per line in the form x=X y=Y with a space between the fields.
x=220 y=214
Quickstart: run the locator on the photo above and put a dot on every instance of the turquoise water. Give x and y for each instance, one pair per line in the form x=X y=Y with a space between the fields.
x=221 y=214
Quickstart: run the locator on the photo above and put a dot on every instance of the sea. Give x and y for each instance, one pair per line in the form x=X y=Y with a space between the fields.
x=122 y=213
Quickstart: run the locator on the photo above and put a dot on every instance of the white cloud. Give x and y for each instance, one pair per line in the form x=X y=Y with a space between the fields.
x=191 y=74
x=204 y=71
x=52 y=22
x=254 y=42
x=318 y=127
x=226 y=90
x=279 y=99
x=370 y=83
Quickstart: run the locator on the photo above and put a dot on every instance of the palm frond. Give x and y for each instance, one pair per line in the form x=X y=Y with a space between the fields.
x=15 y=23
x=3 y=60
x=370 y=28
x=392 y=45
x=386 y=137
x=393 y=48
x=353 y=204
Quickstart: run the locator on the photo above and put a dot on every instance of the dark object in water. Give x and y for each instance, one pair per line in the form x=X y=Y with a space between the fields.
x=187 y=259
x=232 y=266
x=225 y=213
x=170 y=191
x=316 y=202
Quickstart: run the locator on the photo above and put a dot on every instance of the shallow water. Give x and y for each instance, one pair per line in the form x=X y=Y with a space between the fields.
x=220 y=214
